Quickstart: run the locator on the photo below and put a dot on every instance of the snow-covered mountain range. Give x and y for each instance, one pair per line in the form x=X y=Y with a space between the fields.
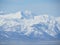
x=25 y=24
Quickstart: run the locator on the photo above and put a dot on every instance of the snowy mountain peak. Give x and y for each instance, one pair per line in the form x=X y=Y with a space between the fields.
x=38 y=25
x=27 y=12
x=11 y=16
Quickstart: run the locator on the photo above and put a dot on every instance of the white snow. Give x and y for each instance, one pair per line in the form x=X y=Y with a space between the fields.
x=27 y=23
x=11 y=16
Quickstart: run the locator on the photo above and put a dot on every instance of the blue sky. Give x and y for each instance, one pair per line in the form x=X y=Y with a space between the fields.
x=50 y=7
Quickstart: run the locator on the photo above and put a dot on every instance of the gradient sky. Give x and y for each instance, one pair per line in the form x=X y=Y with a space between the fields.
x=50 y=7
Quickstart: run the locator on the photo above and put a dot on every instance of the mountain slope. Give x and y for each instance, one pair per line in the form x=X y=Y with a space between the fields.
x=17 y=25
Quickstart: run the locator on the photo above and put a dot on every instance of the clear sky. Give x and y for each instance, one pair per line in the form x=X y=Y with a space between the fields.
x=50 y=7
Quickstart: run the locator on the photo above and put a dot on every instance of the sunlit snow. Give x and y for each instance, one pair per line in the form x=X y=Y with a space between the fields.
x=10 y=22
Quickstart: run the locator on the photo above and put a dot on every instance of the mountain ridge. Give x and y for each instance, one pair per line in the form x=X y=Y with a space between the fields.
x=34 y=26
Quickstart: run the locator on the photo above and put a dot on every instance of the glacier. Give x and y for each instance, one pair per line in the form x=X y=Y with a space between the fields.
x=25 y=24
